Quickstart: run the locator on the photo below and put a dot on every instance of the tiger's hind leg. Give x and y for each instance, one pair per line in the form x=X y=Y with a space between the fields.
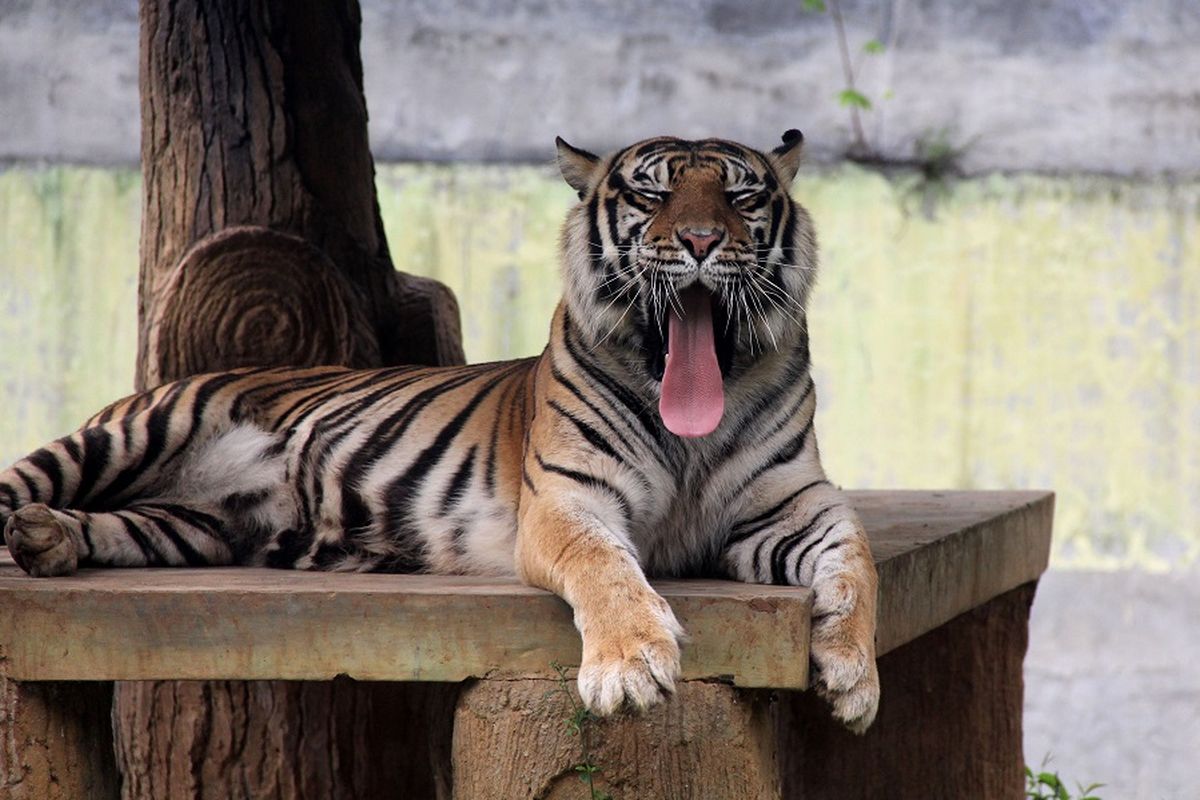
x=40 y=542
x=148 y=491
x=46 y=542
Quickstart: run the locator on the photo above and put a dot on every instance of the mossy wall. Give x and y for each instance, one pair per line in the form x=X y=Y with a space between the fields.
x=1000 y=332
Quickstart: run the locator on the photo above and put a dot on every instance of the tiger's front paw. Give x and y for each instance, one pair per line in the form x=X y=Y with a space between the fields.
x=630 y=663
x=39 y=542
x=848 y=679
x=843 y=652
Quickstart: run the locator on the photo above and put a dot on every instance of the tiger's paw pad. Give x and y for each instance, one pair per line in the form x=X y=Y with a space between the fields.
x=637 y=674
x=849 y=680
x=39 y=543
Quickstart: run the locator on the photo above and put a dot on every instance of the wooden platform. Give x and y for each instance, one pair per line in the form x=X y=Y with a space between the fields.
x=939 y=554
x=957 y=573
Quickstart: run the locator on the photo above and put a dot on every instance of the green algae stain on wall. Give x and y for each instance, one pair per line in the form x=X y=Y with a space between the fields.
x=491 y=234
x=68 y=298
x=1040 y=332
x=1037 y=332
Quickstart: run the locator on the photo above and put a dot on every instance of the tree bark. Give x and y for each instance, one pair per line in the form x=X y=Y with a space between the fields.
x=262 y=244
x=56 y=741
x=253 y=117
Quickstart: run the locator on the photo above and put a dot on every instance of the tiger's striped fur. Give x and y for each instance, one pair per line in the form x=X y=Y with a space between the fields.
x=557 y=469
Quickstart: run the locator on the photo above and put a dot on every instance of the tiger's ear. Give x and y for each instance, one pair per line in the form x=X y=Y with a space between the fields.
x=576 y=166
x=786 y=157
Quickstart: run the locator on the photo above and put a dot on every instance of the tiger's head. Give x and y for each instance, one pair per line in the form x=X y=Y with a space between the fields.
x=691 y=261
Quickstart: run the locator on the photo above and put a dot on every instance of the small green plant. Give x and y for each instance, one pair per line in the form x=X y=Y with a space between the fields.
x=1046 y=785
x=850 y=96
x=579 y=724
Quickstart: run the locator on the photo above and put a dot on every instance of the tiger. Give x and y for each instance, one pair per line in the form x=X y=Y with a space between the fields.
x=665 y=430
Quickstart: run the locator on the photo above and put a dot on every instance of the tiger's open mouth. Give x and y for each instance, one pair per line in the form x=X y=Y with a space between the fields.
x=691 y=353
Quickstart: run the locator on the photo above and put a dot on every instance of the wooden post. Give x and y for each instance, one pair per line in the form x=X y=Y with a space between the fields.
x=511 y=740
x=949 y=726
x=262 y=244
x=57 y=741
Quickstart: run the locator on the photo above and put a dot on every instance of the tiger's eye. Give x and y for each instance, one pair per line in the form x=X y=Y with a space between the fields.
x=644 y=197
x=748 y=199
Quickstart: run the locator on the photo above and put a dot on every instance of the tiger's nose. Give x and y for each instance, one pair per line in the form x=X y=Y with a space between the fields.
x=700 y=242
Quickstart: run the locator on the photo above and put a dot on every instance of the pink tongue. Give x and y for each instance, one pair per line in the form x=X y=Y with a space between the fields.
x=693 y=396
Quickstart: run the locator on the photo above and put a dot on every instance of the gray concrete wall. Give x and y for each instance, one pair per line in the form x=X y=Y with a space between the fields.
x=1060 y=85
x=1112 y=682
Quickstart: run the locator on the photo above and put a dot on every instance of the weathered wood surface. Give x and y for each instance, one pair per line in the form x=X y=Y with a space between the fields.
x=939 y=555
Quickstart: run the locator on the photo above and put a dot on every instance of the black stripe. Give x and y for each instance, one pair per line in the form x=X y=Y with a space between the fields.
x=458 y=483
x=588 y=432
x=784 y=454
x=346 y=384
x=105 y=415
x=590 y=481
x=557 y=374
x=72 y=448
x=785 y=545
x=355 y=513
x=748 y=527
x=815 y=541
x=402 y=492
x=199 y=406
x=10 y=496
x=621 y=393
x=595 y=243
x=748 y=422
x=190 y=556
x=85 y=530
x=197 y=519
x=489 y=472
x=528 y=481
x=30 y=486
x=48 y=464
x=776 y=215
x=97 y=446
x=149 y=554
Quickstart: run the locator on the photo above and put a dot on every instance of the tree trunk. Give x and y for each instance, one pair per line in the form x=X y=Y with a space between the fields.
x=262 y=245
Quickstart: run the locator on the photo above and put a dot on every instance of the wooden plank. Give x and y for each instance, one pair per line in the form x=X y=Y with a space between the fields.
x=939 y=554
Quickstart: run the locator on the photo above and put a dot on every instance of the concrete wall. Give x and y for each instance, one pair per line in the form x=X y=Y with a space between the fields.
x=1112 y=682
x=1060 y=85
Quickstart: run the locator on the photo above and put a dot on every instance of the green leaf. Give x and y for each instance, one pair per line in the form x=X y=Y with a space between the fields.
x=874 y=47
x=854 y=98
x=814 y=5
